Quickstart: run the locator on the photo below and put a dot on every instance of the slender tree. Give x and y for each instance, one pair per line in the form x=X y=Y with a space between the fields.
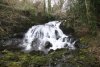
x=90 y=15
x=49 y=6
x=44 y=6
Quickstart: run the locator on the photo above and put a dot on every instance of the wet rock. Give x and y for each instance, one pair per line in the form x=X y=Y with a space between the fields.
x=10 y=44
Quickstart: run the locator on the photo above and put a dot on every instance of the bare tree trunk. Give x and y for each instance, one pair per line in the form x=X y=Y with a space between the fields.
x=90 y=15
x=87 y=10
x=49 y=6
x=44 y=2
x=61 y=3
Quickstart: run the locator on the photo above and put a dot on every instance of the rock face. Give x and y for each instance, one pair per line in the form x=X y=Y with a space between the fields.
x=10 y=44
x=46 y=37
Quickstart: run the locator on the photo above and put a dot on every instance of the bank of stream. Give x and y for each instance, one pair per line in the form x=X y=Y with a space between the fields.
x=14 y=24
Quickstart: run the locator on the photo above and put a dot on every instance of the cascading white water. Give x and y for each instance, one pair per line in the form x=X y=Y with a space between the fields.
x=46 y=37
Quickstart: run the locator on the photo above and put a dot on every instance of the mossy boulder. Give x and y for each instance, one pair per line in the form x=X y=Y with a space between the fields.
x=61 y=57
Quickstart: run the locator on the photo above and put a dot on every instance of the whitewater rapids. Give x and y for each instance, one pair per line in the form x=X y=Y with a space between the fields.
x=46 y=37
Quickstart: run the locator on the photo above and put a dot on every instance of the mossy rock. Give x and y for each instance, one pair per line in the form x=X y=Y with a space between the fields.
x=14 y=64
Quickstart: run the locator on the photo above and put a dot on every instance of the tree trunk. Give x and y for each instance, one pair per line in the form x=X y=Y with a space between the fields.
x=90 y=15
x=49 y=6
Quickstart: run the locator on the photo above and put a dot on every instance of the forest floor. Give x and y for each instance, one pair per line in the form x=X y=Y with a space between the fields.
x=13 y=22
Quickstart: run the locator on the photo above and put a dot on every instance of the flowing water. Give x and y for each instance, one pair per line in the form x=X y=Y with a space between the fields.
x=46 y=37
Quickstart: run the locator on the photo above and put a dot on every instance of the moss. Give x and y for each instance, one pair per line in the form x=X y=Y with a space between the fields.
x=39 y=60
x=14 y=64
x=79 y=58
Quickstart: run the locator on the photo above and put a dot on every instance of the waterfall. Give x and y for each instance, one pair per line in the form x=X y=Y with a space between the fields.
x=46 y=37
